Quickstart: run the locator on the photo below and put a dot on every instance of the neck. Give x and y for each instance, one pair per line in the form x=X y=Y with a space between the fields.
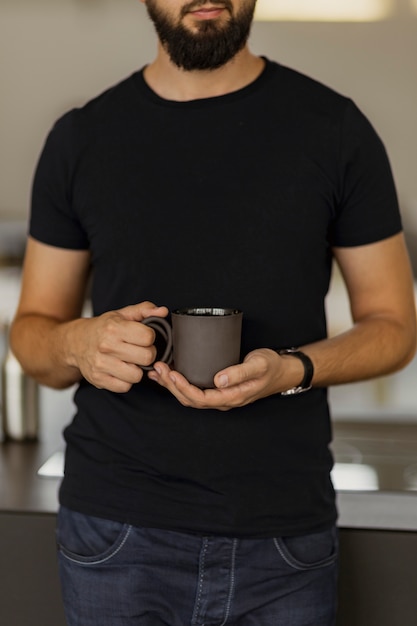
x=173 y=83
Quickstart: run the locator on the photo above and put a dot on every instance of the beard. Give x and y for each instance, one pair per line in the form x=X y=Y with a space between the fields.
x=212 y=45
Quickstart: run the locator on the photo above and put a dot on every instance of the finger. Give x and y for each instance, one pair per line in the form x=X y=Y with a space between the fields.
x=137 y=335
x=114 y=375
x=192 y=396
x=174 y=382
x=180 y=387
x=137 y=355
x=110 y=383
x=138 y=312
x=129 y=341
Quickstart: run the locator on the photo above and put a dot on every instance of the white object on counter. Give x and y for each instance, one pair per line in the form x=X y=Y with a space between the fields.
x=20 y=401
x=54 y=466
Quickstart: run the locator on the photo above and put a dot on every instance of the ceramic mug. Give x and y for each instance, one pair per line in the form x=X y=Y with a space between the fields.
x=201 y=341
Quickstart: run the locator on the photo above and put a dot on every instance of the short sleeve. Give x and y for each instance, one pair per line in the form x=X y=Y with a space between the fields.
x=53 y=219
x=368 y=208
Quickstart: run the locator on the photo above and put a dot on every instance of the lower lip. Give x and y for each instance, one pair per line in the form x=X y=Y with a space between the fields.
x=208 y=14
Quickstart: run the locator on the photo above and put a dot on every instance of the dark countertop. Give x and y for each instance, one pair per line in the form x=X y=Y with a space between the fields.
x=375 y=474
x=385 y=455
x=21 y=489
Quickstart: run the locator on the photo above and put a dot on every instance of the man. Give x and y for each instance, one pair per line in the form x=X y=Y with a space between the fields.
x=211 y=178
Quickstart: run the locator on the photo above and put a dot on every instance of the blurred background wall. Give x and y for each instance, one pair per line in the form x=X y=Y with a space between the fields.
x=55 y=54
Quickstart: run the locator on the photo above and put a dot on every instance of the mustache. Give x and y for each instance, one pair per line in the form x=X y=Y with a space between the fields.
x=196 y=4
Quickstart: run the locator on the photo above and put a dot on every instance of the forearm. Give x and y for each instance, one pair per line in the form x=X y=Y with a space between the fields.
x=374 y=347
x=108 y=350
x=43 y=345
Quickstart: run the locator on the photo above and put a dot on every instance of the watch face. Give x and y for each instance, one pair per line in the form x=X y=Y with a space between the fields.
x=295 y=391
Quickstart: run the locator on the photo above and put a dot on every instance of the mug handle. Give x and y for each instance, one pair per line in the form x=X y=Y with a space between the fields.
x=163 y=327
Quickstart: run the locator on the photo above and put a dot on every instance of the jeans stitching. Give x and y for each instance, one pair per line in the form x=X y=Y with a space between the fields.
x=103 y=560
x=201 y=580
x=232 y=582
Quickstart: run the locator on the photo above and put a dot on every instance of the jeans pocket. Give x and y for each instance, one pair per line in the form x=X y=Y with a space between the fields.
x=308 y=552
x=89 y=540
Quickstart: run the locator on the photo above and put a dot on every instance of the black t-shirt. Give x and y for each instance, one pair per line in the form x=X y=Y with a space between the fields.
x=232 y=201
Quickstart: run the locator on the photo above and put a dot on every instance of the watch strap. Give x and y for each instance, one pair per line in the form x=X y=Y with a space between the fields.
x=305 y=384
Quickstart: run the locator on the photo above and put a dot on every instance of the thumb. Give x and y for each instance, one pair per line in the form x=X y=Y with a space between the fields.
x=254 y=366
x=138 y=312
x=236 y=374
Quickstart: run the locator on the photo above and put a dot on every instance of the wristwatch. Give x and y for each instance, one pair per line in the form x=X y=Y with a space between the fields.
x=305 y=384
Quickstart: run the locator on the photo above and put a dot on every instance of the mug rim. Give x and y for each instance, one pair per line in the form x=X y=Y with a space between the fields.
x=207 y=311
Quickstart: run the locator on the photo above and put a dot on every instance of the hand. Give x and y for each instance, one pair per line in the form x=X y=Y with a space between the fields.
x=110 y=349
x=257 y=377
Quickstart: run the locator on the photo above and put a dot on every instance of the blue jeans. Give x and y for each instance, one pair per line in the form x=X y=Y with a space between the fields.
x=115 y=574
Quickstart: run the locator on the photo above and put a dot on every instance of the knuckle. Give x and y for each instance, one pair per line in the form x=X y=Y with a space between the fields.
x=148 y=357
x=107 y=335
x=103 y=345
x=123 y=387
x=148 y=338
x=137 y=376
x=110 y=326
x=244 y=374
x=263 y=366
x=96 y=379
x=98 y=364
